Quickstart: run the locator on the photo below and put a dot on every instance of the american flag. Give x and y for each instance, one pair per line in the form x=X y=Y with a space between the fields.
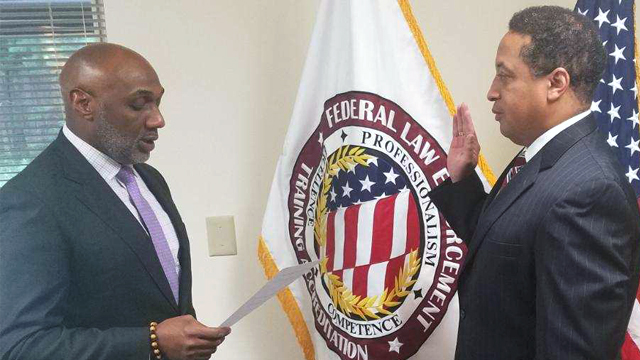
x=615 y=106
x=372 y=226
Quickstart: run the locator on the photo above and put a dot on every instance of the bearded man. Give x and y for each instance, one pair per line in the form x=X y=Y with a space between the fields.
x=94 y=257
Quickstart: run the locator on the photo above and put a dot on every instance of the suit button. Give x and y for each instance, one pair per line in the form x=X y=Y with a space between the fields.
x=462 y=314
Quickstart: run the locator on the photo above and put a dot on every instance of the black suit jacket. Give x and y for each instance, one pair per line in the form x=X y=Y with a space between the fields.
x=79 y=276
x=552 y=266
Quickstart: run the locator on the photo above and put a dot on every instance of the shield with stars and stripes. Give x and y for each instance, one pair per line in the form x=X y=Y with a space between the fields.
x=359 y=203
x=368 y=243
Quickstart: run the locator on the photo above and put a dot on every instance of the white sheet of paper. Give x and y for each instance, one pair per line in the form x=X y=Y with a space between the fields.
x=284 y=277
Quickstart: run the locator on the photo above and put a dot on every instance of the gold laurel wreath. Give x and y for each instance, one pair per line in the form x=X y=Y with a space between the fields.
x=365 y=307
x=345 y=159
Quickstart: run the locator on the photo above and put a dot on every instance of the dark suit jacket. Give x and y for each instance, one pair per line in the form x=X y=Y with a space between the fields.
x=552 y=267
x=79 y=277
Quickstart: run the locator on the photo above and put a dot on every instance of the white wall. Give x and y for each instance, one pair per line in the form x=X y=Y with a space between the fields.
x=463 y=37
x=231 y=70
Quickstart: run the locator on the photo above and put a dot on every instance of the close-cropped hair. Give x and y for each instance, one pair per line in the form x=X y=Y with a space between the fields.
x=562 y=38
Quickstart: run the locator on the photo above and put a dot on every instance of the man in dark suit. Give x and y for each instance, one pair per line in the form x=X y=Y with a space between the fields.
x=552 y=264
x=92 y=248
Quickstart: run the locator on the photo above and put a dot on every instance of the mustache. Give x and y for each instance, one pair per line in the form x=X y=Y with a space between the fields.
x=150 y=136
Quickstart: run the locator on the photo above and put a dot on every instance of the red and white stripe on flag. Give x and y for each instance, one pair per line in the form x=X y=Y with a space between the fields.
x=603 y=12
x=368 y=243
x=630 y=349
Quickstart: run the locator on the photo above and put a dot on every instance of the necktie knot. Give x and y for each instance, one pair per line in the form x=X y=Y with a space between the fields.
x=521 y=159
x=125 y=175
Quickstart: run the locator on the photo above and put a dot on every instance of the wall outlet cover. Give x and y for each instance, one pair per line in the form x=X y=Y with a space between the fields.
x=221 y=233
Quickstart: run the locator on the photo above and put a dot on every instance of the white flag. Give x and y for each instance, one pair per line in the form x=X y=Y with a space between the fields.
x=367 y=142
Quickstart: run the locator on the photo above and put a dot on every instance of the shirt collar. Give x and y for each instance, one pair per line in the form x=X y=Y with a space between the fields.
x=543 y=139
x=104 y=165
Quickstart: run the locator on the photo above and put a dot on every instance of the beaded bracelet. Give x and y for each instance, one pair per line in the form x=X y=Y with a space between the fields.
x=154 y=340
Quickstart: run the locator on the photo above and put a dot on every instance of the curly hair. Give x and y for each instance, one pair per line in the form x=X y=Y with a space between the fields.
x=562 y=38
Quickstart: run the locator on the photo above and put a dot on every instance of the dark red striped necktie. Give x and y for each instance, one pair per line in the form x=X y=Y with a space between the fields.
x=518 y=163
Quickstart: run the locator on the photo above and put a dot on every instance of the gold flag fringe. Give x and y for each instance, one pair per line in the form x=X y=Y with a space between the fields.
x=288 y=302
x=286 y=298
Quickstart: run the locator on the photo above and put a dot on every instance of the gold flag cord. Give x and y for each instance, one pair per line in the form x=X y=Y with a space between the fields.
x=446 y=95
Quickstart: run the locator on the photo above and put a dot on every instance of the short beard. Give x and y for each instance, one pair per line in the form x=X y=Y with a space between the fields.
x=117 y=145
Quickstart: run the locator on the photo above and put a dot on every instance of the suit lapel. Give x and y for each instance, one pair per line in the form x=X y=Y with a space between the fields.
x=95 y=194
x=503 y=200
x=498 y=204
x=156 y=187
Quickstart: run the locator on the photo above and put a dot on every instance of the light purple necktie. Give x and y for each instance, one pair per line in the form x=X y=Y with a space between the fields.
x=153 y=227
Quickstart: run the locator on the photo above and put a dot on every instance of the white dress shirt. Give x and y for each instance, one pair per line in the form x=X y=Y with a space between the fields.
x=108 y=169
x=543 y=139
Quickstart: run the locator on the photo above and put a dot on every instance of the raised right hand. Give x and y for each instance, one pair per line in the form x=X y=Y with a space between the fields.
x=465 y=149
x=184 y=338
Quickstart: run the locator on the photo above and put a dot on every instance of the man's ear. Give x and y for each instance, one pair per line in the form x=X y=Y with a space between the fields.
x=559 y=81
x=83 y=103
